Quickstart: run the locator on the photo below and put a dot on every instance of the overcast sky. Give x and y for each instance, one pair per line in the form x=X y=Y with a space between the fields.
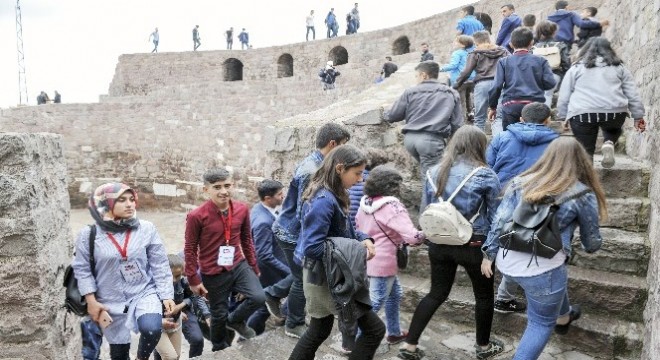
x=72 y=45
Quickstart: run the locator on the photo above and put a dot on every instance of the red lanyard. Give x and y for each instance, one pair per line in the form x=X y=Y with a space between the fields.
x=226 y=221
x=123 y=252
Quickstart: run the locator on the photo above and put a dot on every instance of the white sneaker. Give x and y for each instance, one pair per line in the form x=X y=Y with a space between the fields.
x=608 y=154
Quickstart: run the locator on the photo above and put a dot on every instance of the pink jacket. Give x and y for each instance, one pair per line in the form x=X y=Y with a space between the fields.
x=393 y=218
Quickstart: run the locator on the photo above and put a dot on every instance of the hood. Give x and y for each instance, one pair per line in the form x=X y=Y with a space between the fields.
x=560 y=15
x=370 y=206
x=532 y=134
x=494 y=53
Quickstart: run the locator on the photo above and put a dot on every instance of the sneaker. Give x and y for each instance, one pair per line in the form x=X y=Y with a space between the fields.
x=395 y=339
x=275 y=322
x=273 y=306
x=295 y=332
x=608 y=154
x=242 y=329
x=495 y=348
x=411 y=355
x=573 y=315
x=506 y=307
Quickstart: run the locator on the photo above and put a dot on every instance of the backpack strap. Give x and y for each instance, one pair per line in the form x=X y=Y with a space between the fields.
x=465 y=180
x=92 y=237
x=571 y=197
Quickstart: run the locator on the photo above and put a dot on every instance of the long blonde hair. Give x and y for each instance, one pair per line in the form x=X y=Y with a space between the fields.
x=563 y=163
x=469 y=143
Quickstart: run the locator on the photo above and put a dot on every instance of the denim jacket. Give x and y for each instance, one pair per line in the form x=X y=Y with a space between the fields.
x=323 y=218
x=287 y=225
x=482 y=188
x=582 y=211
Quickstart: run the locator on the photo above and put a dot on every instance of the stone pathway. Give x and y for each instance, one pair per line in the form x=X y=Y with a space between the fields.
x=441 y=340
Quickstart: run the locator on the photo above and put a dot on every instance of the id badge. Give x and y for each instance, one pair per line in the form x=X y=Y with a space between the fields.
x=226 y=255
x=130 y=271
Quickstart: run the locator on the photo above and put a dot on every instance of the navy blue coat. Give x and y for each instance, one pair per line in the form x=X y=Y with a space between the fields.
x=271 y=259
x=355 y=193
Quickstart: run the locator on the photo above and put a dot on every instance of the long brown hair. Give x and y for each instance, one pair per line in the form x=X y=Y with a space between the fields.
x=469 y=144
x=563 y=163
x=327 y=176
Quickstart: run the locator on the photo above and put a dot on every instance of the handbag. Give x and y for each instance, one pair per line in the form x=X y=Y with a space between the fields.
x=534 y=229
x=401 y=249
x=74 y=302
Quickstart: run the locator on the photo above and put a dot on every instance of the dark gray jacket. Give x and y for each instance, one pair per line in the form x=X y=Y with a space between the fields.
x=429 y=106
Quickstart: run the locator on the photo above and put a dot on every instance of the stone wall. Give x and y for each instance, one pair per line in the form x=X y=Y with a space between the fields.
x=636 y=35
x=35 y=247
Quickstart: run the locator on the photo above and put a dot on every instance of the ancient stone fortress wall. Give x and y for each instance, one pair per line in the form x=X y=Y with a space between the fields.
x=35 y=247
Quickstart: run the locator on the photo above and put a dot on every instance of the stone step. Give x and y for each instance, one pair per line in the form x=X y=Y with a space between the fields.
x=604 y=292
x=630 y=214
x=623 y=252
x=628 y=177
x=600 y=335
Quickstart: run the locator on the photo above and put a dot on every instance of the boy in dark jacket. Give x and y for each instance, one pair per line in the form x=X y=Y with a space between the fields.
x=483 y=61
x=520 y=79
x=567 y=20
x=509 y=154
x=589 y=13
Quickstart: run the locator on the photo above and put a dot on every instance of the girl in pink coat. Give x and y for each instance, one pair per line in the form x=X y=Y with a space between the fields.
x=385 y=219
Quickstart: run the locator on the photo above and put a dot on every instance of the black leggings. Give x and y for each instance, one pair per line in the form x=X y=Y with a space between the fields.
x=585 y=128
x=444 y=262
x=373 y=331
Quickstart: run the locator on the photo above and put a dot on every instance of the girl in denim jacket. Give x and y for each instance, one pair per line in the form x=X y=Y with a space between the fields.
x=325 y=214
x=465 y=152
x=564 y=170
x=386 y=220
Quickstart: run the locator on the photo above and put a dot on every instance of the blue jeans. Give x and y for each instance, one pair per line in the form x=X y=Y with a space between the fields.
x=481 y=102
x=387 y=290
x=547 y=299
x=296 y=298
x=92 y=337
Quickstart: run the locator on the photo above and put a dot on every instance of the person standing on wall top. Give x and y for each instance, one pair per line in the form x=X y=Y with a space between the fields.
x=426 y=55
x=510 y=22
x=331 y=23
x=468 y=24
x=155 y=38
x=433 y=113
x=567 y=20
x=355 y=18
x=230 y=37
x=196 y=38
x=310 y=26
x=58 y=98
x=244 y=38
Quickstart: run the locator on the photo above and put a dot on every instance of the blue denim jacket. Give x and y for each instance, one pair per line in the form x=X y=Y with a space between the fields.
x=582 y=211
x=287 y=226
x=482 y=188
x=323 y=218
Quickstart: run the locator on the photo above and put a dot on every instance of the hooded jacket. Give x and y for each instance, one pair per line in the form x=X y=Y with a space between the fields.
x=600 y=89
x=509 y=24
x=457 y=63
x=566 y=21
x=483 y=62
x=386 y=220
x=513 y=151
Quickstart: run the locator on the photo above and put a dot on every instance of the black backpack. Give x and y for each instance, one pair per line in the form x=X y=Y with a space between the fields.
x=534 y=228
x=74 y=302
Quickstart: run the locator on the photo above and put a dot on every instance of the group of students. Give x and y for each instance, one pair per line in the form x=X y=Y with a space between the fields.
x=243 y=37
x=43 y=98
x=332 y=24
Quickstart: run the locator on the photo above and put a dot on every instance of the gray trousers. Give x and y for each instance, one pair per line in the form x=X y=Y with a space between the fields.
x=427 y=148
x=507 y=289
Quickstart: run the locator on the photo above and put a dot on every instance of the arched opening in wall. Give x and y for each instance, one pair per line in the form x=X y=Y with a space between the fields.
x=285 y=66
x=233 y=69
x=401 y=46
x=339 y=55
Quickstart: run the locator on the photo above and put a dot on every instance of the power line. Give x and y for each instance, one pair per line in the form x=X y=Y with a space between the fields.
x=22 y=83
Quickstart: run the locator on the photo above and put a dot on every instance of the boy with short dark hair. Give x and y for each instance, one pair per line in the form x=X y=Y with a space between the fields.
x=468 y=24
x=589 y=13
x=567 y=20
x=520 y=79
x=218 y=243
x=509 y=154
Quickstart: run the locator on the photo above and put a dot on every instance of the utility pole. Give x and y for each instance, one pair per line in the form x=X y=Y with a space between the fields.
x=22 y=84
